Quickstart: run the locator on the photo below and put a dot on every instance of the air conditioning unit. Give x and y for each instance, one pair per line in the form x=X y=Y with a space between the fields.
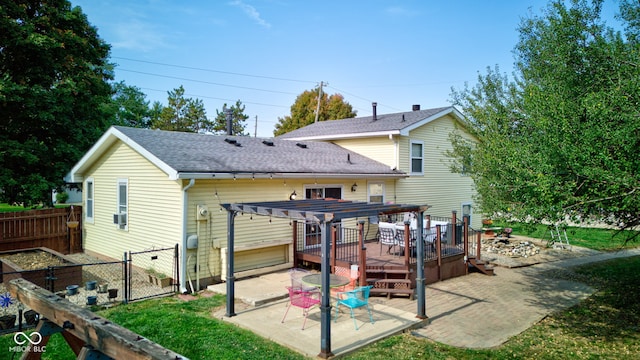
x=120 y=219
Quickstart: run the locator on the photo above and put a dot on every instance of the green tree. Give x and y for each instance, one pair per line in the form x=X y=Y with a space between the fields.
x=239 y=120
x=54 y=92
x=181 y=114
x=130 y=106
x=562 y=138
x=303 y=111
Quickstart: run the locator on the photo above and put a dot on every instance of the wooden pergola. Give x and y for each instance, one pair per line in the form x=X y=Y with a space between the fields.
x=323 y=213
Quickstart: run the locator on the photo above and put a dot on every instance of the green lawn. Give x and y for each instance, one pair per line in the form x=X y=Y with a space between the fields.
x=592 y=238
x=606 y=325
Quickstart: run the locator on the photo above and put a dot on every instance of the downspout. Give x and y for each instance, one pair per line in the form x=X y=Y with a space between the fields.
x=183 y=258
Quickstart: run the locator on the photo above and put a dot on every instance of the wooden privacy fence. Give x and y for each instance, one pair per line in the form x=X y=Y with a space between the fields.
x=42 y=228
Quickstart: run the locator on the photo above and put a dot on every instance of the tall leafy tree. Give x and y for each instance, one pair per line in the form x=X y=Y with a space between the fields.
x=54 y=89
x=561 y=139
x=303 y=111
x=130 y=106
x=238 y=118
x=181 y=114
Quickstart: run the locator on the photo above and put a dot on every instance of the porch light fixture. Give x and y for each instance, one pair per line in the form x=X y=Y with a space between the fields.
x=293 y=195
x=354 y=187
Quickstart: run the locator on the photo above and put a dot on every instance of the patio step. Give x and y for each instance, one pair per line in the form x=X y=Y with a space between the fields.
x=390 y=281
x=482 y=266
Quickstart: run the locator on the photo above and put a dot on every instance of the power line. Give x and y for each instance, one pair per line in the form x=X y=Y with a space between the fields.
x=215 y=71
x=361 y=98
x=206 y=82
x=217 y=98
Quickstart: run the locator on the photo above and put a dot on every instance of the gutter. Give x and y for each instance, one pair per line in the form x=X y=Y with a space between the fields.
x=275 y=175
x=183 y=257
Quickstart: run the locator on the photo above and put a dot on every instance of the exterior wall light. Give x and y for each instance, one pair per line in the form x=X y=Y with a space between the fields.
x=354 y=187
x=293 y=195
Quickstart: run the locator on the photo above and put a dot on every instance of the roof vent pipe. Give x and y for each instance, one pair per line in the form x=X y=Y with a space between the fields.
x=416 y=107
x=374 y=104
x=228 y=115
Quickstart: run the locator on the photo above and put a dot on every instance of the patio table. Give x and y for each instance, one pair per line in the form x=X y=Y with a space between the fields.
x=334 y=280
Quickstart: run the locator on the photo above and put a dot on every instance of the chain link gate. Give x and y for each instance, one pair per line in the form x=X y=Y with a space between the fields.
x=151 y=273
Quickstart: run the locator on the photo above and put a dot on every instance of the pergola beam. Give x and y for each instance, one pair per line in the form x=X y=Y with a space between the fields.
x=86 y=328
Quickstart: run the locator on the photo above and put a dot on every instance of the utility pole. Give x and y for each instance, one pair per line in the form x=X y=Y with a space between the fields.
x=319 y=98
x=255 y=132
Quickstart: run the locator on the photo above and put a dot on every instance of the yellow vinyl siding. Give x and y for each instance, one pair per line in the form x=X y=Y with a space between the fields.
x=154 y=213
x=381 y=149
x=438 y=186
x=253 y=234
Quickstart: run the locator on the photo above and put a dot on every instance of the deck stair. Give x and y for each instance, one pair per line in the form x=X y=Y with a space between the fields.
x=390 y=281
x=481 y=266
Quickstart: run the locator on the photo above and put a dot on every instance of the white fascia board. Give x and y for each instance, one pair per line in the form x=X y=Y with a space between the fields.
x=183 y=175
x=345 y=136
x=107 y=139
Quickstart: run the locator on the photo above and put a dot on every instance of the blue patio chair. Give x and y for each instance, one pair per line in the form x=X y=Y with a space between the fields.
x=354 y=299
x=302 y=299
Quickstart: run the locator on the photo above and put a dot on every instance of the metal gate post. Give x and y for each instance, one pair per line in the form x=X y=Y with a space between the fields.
x=127 y=279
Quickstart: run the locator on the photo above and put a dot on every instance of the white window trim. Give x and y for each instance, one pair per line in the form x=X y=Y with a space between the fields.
x=87 y=218
x=411 y=142
x=384 y=190
x=118 y=183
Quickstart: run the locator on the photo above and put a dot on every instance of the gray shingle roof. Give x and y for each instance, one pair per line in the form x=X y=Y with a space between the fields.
x=202 y=153
x=364 y=125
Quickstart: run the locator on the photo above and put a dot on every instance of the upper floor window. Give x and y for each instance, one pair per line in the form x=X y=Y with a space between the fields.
x=88 y=190
x=417 y=157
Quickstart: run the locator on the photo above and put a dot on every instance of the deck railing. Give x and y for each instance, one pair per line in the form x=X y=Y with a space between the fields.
x=309 y=239
x=440 y=239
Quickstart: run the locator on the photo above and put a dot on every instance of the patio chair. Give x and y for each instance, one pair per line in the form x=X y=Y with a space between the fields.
x=296 y=275
x=387 y=236
x=354 y=299
x=352 y=274
x=302 y=299
x=400 y=238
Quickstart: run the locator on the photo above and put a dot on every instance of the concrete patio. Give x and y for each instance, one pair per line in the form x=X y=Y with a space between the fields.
x=473 y=311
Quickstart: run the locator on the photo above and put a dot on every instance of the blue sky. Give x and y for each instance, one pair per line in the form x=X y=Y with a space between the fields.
x=267 y=52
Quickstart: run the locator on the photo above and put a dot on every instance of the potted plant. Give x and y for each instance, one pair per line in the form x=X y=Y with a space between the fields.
x=6 y=321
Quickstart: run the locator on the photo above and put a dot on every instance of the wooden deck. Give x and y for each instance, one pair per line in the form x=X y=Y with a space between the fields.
x=387 y=269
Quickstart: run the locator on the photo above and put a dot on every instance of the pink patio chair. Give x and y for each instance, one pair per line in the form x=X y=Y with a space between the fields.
x=302 y=299
x=354 y=299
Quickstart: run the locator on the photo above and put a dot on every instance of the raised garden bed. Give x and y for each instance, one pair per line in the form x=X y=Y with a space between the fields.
x=32 y=265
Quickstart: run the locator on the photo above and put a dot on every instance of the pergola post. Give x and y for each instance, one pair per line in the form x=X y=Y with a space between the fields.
x=362 y=264
x=325 y=304
x=230 y=257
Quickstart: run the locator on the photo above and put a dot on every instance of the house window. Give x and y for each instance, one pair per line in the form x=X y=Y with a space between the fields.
x=313 y=232
x=417 y=157
x=376 y=192
x=88 y=190
x=123 y=204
